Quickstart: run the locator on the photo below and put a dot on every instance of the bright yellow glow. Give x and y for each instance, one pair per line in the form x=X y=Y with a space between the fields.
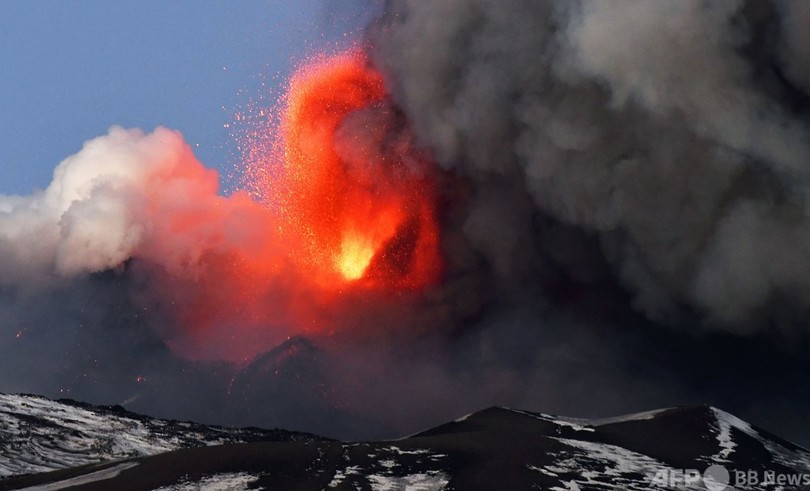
x=355 y=256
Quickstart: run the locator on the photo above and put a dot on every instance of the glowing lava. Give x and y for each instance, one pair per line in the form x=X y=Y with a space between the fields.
x=338 y=224
x=349 y=186
x=343 y=212
x=355 y=255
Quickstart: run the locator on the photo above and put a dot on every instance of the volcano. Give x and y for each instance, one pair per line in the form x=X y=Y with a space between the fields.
x=575 y=207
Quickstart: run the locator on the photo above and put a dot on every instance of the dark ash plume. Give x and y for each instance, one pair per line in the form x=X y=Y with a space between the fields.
x=675 y=133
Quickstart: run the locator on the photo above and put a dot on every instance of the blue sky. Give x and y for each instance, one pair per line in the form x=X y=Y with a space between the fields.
x=69 y=70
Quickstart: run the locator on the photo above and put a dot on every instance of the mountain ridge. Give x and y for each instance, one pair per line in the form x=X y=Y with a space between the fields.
x=495 y=448
x=38 y=434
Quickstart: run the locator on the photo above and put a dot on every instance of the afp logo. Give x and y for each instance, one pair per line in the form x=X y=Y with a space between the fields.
x=715 y=478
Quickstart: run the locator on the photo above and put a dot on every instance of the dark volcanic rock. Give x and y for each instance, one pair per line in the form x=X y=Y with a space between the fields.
x=38 y=434
x=496 y=448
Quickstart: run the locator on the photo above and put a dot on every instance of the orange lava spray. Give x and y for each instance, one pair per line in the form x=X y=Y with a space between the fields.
x=341 y=206
x=351 y=189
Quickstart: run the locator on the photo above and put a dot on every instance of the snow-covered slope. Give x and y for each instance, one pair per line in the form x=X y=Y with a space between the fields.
x=694 y=448
x=39 y=435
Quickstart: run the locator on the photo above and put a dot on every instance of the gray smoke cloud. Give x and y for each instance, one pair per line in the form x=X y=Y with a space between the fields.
x=661 y=128
x=637 y=172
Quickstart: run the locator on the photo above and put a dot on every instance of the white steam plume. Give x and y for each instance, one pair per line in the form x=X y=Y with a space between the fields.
x=84 y=220
x=124 y=194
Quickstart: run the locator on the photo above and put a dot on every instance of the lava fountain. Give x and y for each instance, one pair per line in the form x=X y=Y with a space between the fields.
x=344 y=206
x=350 y=187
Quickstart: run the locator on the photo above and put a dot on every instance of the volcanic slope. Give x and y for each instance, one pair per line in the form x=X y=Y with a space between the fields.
x=496 y=448
x=40 y=435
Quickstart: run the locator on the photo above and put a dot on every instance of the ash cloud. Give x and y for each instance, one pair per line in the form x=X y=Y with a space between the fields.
x=638 y=170
x=624 y=223
x=662 y=129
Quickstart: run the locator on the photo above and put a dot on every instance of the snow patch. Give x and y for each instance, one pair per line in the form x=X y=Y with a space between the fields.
x=798 y=460
x=237 y=481
x=429 y=481
x=92 y=477
x=340 y=476
x=415 y=451
x=725 y=422
x=573 y=423
x=590 y=465
x=542 y=470
x=388 y=464
x=641 y=416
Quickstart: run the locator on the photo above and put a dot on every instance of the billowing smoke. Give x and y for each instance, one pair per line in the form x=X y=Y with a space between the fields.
x=653 y=156
x=126 y=195
x=674 y=133
x=575 y=207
